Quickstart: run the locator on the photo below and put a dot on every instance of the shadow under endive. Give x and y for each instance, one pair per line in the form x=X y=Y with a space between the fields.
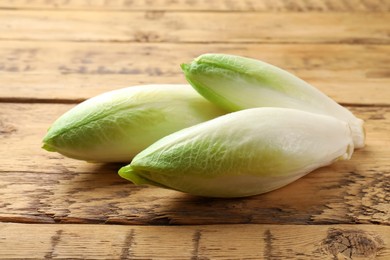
x=112 y=199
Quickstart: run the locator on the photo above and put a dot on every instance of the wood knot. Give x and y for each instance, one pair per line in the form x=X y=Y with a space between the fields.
x=352 y=243
x=6 y=129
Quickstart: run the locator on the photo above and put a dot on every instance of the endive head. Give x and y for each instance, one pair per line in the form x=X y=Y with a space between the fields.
x=115 y=126
x=243 y=153
x=235 y=83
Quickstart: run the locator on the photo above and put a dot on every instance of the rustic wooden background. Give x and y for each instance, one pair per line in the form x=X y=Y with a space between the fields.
x=56 y=53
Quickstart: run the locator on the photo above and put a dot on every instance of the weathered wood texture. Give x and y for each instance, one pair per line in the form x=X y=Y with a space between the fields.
x=190 y=27
x=70 y=72
x=38 y=186
x=194 y=242
x=206 y=5
x=64 y=51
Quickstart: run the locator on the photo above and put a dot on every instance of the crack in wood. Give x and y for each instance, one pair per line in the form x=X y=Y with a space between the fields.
x=352 y=243
x=196 y=242
x=54 y=240
x=363 y=200
x=127 y=247
x=268 y=248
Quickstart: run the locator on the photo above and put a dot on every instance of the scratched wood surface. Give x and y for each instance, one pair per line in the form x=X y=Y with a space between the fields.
x=38 y=186
x=195 y=242
x=56 y=53
x=88 y=69
x=194 y=27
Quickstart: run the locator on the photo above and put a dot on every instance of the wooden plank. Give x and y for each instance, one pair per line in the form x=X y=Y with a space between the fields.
x=201 y=27
x=353 y=74
x=204 y=5
x=38 y=186
x=194 y=242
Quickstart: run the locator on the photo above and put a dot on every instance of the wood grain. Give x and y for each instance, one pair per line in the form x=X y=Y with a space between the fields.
x=204 y=5
x=70 y=72
x=64 y=51
x=38 y=186
x=194 y=242
x=191 y=27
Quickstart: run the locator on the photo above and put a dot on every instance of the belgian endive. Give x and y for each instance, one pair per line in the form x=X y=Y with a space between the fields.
x=237 y=83
x=115 y=126
x=243 y=153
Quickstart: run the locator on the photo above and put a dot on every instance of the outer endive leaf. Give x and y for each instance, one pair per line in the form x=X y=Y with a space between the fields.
x=115 y=126
x=235 y=83
x=243 y=153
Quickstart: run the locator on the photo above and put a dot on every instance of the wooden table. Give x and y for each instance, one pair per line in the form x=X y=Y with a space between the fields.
x=56 y=53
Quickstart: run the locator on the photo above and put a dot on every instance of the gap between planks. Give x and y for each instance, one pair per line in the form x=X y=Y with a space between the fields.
x=350 y=42
x=210 y=42
x=77 y=101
